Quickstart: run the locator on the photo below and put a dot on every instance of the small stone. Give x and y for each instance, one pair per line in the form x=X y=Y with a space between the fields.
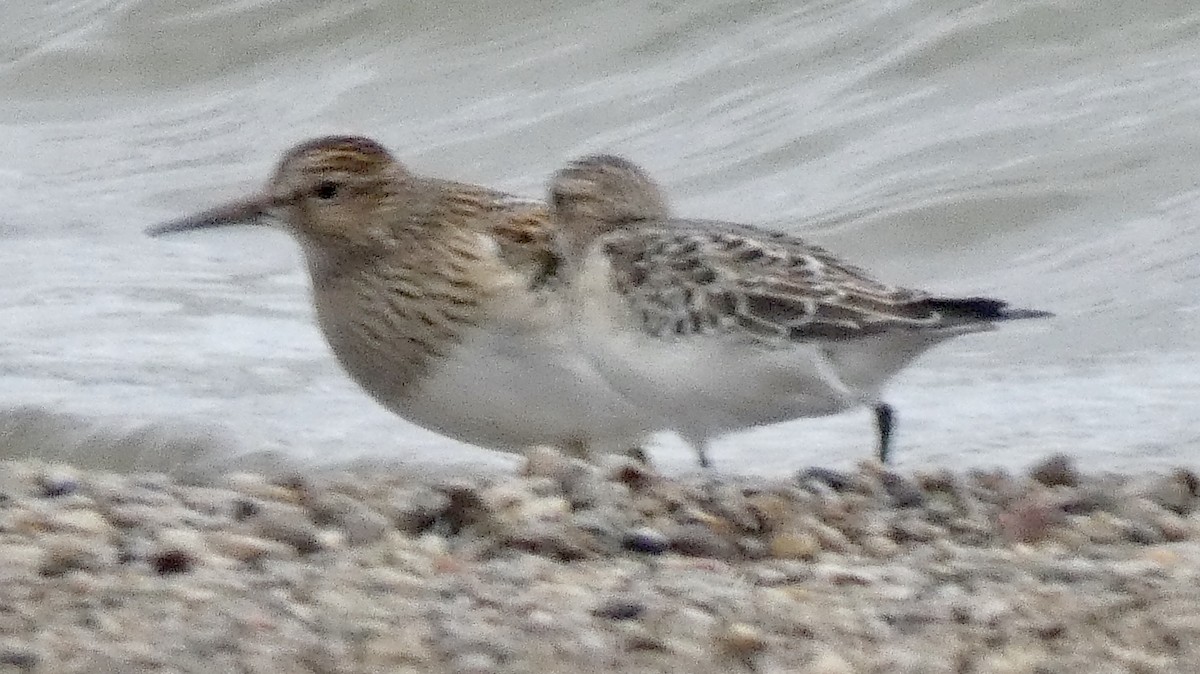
x=741 y=640
x=1142 y=534
x=1163 y=556
x=65 y=553
x=637 y=476
x=793 y=545
x=1174 y=529
x=132 y=548
x=879 y=546
x=1174 y=492
x=829 y=662
x=1029 y=520
x=545 y=509
x=172 y=561
x=58 y=483
x=646 y=541
x=552 y=539
x=1086 y=502
x=82 y=522
x=764 y=575
x=543 y=461
x=288 y=524
x=1189 y=479
x=245 y=508
x=835 y=480
x=1101 y=528
x=904 y=492
x=474 y=663
x=246 y=549
x=360 y=524
x=639 y=638
x=619 y=609
x=412 y=512
x=1056 y=471
x=941 y=481
x=465 y=508
x=363 y=526
x=830 y=539
x=772 y=510
x=13 y=484
x=910 y=530
x=21 y=658
x=1048 y=631
x=753 y=548
x=697 y=540
x=257 y=487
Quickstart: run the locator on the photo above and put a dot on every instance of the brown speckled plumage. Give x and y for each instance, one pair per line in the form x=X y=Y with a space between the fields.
x=758 y=326
x=417 y=281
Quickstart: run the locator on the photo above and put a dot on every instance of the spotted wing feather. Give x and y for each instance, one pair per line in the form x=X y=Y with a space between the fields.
x=693 y=277
x=521 y=228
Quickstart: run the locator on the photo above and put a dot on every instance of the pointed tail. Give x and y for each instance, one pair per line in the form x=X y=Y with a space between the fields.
x=981 y=309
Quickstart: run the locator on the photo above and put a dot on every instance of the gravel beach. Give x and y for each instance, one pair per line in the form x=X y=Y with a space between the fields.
x=564 y=566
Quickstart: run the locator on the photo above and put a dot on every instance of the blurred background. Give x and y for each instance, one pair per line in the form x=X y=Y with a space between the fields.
x=1039 y=151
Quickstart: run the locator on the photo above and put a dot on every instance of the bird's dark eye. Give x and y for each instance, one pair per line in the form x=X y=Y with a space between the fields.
x=326 y=189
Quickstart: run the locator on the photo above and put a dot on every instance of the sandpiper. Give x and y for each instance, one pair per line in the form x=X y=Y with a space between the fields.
x=438 y=298
x=716 y=326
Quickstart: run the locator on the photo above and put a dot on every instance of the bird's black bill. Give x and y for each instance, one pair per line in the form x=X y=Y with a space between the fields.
x=243 y=212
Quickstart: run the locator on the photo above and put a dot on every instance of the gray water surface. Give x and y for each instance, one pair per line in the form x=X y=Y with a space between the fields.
x=1041 y=152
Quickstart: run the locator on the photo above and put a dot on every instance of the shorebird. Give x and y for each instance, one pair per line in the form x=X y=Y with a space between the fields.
x=717 y=327
x=439 y=298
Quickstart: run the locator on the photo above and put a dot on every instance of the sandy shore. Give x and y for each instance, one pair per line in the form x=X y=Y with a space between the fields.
x=568 y=567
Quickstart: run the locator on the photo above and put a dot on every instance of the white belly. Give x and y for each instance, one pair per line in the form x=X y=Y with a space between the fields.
x=709 y=386
x=522 y=386
x=704 y=386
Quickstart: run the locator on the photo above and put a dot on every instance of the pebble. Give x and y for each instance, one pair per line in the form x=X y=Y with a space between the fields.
x=59 y=482
x=836 y=480
x=904 y=492
x=1175 y=492
x=87 y=522
x=287 y=524
x=829 y=662
x=573 y=567
x=465 y=509
x=360 y=525
x=646 y=541
x=742 y=640
x=64 y=553
x=248 y=549
x=620 y=609
x=170 y=561
x=1056 y=471
x=543 y=461
x=413 y=511
x=794 y=545
x=697 y=540
x=20 y=658
x=474 y=663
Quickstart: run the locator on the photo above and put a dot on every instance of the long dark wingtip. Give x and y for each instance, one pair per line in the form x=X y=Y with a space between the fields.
x=982 y=309
x=1021 y=314
x=241 y=212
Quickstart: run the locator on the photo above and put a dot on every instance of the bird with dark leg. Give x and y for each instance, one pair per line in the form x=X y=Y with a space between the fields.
x=438 y=298
x=716 y=327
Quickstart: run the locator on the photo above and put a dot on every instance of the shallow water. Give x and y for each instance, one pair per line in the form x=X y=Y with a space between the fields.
x=1043 y=152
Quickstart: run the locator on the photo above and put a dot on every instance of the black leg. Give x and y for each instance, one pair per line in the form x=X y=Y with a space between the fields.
x=885 y=419
x=703 y=453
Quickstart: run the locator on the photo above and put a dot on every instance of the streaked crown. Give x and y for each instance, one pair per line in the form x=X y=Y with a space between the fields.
x=337 y=189
x=605 y=189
